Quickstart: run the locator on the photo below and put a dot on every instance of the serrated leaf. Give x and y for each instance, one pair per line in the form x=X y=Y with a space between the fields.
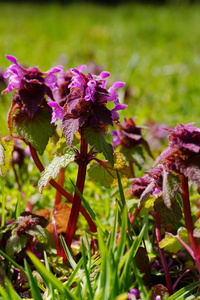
x=135 y=155
x=52 y=170
x=15 y=244
x=39 y=232
x=170 y=187
x=173 y=214
x=61 y=216
x=69 y=127
x=106 y=174
x=36 y=130
x=6 y=149
x=96 y=138
x=172 y=244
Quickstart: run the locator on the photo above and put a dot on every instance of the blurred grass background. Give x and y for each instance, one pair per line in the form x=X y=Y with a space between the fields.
x=154 y=49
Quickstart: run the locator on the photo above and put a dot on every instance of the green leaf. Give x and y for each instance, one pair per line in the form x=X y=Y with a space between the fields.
x=52 y=170
x=36 y=130
x=50 y=278
x=96 y=138
x=6 y=149
x=15 y=244
x=39 y=232
x=185 y=291
x=33 y=283
x=135 y=155
x=173 y=214
x=171 y=244
x=106 y=174
x=170 y=187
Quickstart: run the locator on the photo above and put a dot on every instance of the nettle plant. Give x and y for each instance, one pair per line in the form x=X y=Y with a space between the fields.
x=73 y=111
x=80 y=102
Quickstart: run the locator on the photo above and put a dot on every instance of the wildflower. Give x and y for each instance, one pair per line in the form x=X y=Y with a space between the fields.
x=129 y=138
x=134 y=292
x=129 y=135
x=182 y=156
x=82 y=101
x=31 y=84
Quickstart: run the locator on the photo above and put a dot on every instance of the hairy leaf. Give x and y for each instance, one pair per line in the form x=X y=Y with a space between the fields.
x=15 y=244
x=6 y=149
x=191 y=169
x=172 y=244
x=36 y=130
x=135 y=155
x=52 y=170
x=106 y=174
x=69 y=127
x=170 y=187
x=173 y=214
x=39 y=232
x=97 y=139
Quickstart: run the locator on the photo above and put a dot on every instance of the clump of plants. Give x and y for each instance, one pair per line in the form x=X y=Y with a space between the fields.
x=115 y=227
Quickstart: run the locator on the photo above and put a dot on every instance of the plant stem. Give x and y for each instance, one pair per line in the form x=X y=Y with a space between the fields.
x=131 y=167
x=188 y=219
x=61 y=178
x=76 y=205
x=161 y=252
x=67 y=195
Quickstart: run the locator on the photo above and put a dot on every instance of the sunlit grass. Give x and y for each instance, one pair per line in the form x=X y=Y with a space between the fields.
x=155 y=50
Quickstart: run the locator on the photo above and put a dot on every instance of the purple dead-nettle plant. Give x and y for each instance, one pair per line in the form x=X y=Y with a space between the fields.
x=80 y=101
x=128 y=138
x=81 y=104
x=182 y=158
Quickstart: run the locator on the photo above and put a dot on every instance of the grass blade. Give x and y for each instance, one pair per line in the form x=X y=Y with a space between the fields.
x=49 y=277
x=33 y=283
x=185 y=291
x=91 y=212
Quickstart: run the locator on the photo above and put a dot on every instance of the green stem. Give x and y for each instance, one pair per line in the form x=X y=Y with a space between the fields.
x=188 y=219
x=76 y=205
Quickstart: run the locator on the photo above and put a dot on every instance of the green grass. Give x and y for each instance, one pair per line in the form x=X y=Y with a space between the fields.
x=155 y=50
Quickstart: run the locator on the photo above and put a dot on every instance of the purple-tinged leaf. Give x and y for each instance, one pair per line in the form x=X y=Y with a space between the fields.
x=102 y=114
x=69 y=127
x=173 y=215
x=191 y=168
x=170 y=187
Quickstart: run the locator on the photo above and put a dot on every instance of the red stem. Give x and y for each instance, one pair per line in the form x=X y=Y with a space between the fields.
x=67 y=195
x=76 y=205
x=188 y=219
x=61 y=178
x=131 y=167
x=161 y=253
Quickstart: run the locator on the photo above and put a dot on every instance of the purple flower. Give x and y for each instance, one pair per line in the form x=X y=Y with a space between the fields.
x=58 y=113
x=134 y=292
x=31 y=84
x=182 y=156
x=129 y=135
x=82 y=99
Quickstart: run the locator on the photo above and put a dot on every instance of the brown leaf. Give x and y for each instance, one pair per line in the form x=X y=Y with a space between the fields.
x=61 y=216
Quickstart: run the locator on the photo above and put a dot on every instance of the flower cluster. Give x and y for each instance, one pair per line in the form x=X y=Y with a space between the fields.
x=182 y=156
x=129 y=135
x=81 y=101
x=31 y=84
